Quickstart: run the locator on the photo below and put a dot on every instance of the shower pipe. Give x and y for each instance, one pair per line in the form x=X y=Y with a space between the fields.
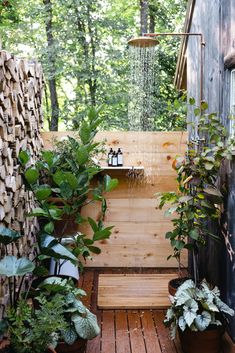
x=202 y=45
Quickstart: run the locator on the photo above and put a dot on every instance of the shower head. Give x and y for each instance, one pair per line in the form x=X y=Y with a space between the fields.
x=143 y=42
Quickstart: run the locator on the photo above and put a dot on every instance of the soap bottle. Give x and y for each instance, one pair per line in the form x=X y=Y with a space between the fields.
x=114 y=159
x=119 y=158
x=110 y=156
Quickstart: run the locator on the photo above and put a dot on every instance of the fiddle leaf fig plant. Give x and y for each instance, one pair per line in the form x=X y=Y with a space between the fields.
x=196 y=308
x=63 y=181
x=198 y=198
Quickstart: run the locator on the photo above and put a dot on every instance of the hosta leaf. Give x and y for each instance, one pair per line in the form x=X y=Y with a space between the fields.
x=86 y=327
x=11 y=266
x=203 y=320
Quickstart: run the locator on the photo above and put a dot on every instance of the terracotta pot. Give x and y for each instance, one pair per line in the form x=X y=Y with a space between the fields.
x=78 y=346
x=208 y=341
x=174 y=284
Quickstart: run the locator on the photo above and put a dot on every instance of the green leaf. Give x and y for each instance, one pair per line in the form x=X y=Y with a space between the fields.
x=213 y=191
x=109 y=183
x=69 y=335
x=197 y=111
x=58 y=177
x=24 y=157
x=203 y=320
x=50 y=246
x=4 y=325
x=38 y=212
x=48 y=157
x=94 y=249
x=190 y=309
x=85 y=132
x=49 y=227
x=86 y=326
x=8 y=236
x=191 y=101
x=54 y=284
x=72 y=180
x=204 y=105
x=102 y=234
x=194 y=234
x=82 y=155
x=31 y=175
x=11 y=266
x=208 y=165
x=93 y=224
x=43 y=192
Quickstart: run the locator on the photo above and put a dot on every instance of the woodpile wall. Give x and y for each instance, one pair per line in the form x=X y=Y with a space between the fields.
x=21 y=119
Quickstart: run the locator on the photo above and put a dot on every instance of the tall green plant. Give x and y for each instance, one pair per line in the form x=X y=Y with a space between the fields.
x=198 y=199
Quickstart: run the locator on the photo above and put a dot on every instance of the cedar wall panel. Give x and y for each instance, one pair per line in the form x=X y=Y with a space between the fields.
x=138 y=238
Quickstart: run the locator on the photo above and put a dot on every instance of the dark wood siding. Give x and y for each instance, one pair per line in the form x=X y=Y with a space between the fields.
x=216 y=21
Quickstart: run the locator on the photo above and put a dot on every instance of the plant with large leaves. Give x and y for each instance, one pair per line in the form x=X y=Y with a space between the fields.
x=198 y=198
x=63 y=182
x=196 y=308
x=81 y=323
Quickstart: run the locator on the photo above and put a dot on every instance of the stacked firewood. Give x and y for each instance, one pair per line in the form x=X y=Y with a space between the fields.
x=21 y=119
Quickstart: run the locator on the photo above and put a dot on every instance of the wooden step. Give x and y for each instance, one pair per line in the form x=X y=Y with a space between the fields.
x=134 y=291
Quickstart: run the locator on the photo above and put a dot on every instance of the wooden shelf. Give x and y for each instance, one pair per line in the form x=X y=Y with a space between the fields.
x=125 y=168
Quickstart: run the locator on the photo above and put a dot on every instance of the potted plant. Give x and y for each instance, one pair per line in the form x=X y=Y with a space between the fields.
x=198 y=198
x=29 y=330
x=199 y=315
x=81 y=323
x=63 y=181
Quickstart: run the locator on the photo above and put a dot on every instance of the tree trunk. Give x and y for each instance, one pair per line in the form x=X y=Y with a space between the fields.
x=151 y=23
x=144 y=16
x=53 y=122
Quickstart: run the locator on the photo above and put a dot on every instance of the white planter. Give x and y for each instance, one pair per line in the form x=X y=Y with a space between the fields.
x=64 y=268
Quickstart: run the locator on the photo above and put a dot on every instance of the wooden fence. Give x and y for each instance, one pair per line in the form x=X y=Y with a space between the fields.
x=138 y=238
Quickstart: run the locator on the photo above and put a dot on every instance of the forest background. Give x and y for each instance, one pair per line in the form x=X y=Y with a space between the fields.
x=82 y=45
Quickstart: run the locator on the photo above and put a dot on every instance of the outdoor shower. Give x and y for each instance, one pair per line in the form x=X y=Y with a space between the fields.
x=142 y=96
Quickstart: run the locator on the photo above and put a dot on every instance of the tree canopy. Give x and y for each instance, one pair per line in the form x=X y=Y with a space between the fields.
x=82 y=46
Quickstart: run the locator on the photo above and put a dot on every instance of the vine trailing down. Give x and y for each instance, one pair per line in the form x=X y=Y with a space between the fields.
x=141 y=111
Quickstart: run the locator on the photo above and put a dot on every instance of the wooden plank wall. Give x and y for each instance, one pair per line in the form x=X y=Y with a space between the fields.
x=139 y=228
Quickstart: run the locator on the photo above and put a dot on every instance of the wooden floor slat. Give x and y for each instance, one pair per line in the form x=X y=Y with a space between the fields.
x=150 y=334
x=122 y=332
x=133 y=291
x=108 y=332
x=136 y=334
x=167 y=345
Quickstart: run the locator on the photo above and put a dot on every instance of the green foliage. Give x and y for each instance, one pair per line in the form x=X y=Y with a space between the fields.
x=88 y=57
x=198 y=198
x=8 y=236
x=34 y=330
x=196 y=308
x=10 y=266
x=80 y=321
x=63 y=182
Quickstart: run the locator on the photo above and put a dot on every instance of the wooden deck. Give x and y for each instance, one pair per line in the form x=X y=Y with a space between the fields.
x=130 y=331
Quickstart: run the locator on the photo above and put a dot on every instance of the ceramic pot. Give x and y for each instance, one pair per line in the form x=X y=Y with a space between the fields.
x=208 y=341
x=65 y=268
x=78 y=346
x=174 y=284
